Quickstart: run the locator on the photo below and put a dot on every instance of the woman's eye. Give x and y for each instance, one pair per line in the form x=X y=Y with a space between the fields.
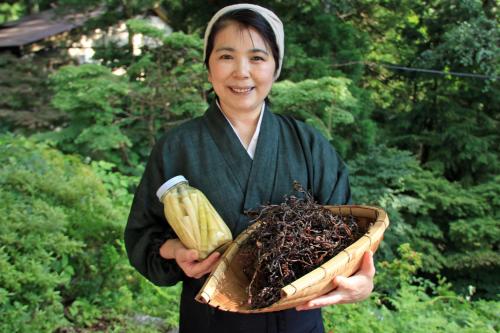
x=225 y=56
x=257 y=58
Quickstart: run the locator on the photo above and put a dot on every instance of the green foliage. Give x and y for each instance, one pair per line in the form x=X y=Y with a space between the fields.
x=325 y=52
x=320 y=102
x=118 y=118
x=10 y=12
x=14 y=10
x=483 y=39
x=24 y=95
x=393 y=274
x=454 y=226
x=138 y=26
x=161 y=303
x=170 y=79
x=473 y=232
x=379 y=178
x=117 y=185
x=328 y=105
x=62 y=259
x=93 y=98
x=417 y=305
x=169 y=84
x=448 y=121
x=33 y=266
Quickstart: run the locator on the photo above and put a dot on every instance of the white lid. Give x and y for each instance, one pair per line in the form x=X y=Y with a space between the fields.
x=168 y=184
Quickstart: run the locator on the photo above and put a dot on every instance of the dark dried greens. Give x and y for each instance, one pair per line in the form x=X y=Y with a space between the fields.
x=293 y=239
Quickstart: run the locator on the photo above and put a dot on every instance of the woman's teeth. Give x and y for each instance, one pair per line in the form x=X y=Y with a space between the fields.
x=239 y=90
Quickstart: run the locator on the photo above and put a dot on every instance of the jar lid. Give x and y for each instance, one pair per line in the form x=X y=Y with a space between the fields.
x=169 y=184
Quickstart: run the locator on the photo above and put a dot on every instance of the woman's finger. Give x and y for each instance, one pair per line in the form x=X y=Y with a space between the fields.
x=205 y=266
x=335 y=297
x=347 y=290
x=184 y=255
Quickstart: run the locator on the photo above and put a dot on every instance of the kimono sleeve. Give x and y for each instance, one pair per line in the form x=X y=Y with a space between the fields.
x=331 y=176
x=147 y=228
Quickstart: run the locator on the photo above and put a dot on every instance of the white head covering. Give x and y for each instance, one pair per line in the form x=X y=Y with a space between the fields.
x=268 y=15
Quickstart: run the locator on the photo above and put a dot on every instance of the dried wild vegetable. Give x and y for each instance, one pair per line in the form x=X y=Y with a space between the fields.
x=292 y=239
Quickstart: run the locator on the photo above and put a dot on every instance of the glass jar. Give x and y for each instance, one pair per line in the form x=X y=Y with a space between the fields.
x=192 y=216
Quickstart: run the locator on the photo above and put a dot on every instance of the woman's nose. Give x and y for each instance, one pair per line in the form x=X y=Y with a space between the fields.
x=241 y=69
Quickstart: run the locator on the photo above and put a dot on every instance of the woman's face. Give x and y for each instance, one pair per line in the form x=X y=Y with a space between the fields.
x=241 y=69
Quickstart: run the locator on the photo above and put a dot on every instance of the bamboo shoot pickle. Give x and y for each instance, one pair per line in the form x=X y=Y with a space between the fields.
x=192 y=217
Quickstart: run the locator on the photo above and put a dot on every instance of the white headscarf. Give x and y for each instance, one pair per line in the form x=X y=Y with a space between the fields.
x=268 y=15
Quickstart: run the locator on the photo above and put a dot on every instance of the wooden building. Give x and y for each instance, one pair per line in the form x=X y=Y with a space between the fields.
x=33 y=32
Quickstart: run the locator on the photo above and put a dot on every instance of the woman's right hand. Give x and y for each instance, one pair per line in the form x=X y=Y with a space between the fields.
x=188 y=259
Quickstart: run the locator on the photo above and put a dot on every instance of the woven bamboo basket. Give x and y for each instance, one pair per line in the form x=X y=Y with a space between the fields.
x=226 y=286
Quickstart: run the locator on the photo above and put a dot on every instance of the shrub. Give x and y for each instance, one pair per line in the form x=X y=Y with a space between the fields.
x=62 y=260
x=417 y=305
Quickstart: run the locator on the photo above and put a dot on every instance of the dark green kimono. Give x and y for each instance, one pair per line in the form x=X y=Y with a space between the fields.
x=209 y=154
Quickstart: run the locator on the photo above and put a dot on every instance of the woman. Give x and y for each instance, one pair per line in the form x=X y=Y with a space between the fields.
x=241 y=156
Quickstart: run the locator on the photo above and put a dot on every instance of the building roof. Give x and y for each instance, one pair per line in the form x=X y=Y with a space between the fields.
x=36 y=27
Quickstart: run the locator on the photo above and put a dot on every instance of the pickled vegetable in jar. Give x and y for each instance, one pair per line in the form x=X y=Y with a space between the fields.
x=192 y=216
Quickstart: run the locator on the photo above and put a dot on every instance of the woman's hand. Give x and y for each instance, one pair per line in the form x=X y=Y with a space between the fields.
x=188 y=259
x=349 y=290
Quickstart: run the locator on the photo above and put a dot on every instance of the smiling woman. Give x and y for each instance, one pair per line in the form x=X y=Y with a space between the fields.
x=243 y=60
x=241 y=156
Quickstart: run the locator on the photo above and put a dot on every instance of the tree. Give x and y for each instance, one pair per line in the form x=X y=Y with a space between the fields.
x=25 y=96
x=448 y=121
x=328 y=105
x=118 y=118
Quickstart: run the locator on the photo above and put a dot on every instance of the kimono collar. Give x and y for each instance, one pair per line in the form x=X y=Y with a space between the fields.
x=255 y=178
x=253 y=142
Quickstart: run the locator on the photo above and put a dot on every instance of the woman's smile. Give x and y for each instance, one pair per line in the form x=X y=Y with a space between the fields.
x=241 y=91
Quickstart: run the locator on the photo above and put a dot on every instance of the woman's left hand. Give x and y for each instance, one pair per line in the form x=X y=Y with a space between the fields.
x=349 y=290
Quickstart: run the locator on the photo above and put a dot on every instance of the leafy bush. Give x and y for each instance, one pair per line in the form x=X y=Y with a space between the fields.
x=455 y=227
x=34 y=262
x=328 y=104
x=62 y=260
x=417 y=305
x=93 y=98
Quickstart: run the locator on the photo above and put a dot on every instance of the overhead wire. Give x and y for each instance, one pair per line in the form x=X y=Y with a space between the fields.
x=421 y=70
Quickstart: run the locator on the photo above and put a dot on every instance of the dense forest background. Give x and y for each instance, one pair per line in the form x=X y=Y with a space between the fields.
x=406 y=91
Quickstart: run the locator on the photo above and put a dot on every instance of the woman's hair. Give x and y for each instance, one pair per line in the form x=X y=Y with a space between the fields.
x=248 y=19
